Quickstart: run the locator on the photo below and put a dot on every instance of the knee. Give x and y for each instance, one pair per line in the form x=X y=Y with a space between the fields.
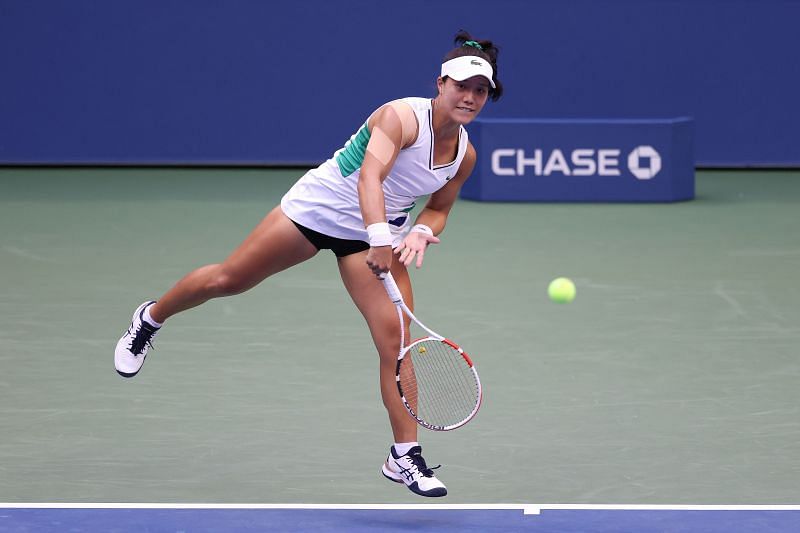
x=388 y=342
x=222 y=283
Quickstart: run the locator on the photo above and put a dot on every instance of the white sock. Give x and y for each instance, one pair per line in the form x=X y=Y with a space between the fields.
x=401 y=448
x=149 y=319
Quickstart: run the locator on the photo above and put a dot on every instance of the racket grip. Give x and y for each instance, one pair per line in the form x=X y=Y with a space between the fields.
x=391 y=288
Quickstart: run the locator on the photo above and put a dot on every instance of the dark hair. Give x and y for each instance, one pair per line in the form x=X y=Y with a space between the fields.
x=487 y=51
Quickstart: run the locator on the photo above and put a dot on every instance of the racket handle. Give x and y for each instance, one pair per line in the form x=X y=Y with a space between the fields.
x=391 y=288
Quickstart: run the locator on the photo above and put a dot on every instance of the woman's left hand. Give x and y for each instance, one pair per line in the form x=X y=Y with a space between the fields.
x=414 y=245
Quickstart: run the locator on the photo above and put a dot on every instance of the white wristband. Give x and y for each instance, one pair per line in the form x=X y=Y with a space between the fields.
x=422 y=228
x=379 y=234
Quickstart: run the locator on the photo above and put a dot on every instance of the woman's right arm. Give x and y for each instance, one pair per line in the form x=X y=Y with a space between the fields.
x=390 y=131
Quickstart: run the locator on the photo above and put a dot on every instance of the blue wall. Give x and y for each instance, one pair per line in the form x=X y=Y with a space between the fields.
x=252 y=81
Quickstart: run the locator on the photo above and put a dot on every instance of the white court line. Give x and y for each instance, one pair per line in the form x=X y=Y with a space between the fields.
x=528 y=509
x=536 y=509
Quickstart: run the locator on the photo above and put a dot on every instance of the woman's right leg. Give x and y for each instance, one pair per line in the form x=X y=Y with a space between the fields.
x=274 y=245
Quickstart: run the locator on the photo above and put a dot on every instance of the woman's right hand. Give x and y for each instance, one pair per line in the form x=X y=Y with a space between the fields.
x=379 y=259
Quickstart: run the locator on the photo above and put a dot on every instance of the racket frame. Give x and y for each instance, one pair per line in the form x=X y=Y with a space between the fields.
x=397 y=299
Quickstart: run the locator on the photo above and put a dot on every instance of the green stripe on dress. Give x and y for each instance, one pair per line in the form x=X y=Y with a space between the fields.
x=351 y=156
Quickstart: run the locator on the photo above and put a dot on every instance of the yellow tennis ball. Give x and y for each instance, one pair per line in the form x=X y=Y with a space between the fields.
x=561 y=290
x=422 y=349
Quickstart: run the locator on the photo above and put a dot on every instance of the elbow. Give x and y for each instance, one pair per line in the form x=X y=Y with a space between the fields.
x=368 y=181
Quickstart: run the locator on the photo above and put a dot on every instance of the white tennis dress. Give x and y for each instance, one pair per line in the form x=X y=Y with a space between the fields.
x=325 y=199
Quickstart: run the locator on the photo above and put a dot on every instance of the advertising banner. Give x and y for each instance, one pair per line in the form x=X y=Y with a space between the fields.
x=574 y=160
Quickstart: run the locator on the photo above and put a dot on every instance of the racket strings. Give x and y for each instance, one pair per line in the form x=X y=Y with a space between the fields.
x=438 y=384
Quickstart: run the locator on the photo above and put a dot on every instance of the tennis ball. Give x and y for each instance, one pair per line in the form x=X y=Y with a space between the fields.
x=561 y=290
x=422 y=349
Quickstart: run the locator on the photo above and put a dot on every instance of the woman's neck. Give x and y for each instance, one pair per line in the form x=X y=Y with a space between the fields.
x=443 y=126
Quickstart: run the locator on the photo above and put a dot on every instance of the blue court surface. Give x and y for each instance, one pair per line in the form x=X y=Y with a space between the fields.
x=123 y=518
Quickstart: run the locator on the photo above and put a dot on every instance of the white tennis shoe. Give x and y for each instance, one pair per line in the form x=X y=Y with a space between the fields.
x=132 y=348
x=412 y=470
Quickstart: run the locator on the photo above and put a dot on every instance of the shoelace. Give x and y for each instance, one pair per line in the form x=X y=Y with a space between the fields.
x=418 y=461
x=142 y=338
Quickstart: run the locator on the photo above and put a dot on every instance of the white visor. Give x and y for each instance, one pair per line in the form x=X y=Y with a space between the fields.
x=465 y=67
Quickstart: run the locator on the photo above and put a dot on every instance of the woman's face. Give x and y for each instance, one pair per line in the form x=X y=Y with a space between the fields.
x=463 y=100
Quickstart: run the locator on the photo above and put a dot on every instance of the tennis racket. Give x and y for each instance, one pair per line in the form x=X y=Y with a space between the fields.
x=436 y=379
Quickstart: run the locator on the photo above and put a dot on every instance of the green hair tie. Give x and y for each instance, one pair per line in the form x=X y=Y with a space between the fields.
x=473 y=44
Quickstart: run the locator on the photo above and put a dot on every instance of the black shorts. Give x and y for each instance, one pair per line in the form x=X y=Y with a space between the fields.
x=340 y=247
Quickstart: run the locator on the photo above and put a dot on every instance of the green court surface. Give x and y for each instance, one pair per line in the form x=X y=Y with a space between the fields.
x=673 y=378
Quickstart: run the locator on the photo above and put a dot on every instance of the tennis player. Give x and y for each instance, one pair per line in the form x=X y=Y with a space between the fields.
x=356 y=204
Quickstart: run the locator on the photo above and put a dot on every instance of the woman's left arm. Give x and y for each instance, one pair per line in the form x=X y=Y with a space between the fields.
x=434 y=214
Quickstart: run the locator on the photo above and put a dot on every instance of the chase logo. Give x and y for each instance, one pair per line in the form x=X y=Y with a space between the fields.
x=644 y=162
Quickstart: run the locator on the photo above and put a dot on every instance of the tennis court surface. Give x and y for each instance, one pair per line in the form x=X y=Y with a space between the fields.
x=671 y=382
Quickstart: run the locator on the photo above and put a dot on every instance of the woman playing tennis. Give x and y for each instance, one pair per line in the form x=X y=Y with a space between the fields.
x=356 y=204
